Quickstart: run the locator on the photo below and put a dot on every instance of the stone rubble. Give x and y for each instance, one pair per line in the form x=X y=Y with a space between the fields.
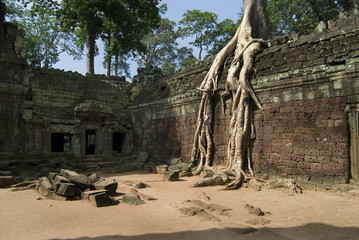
x=70 y=185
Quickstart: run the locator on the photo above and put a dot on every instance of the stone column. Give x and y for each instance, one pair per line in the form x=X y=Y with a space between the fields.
x=76 y=145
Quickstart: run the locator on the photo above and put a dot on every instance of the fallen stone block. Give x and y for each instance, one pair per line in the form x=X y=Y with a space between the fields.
x=180 y=167
x=52 y=176
x=132 y=199
x=109 y=185
x=100 y=200
x=45 y=186
x=6 y=181
x=93 y=177
x=56 y=183
x=61 y=179
x=79 y=180
x=161 y=169
x=143 y=196
x=175 y=161
x=53 y=196
x=66 y=189
x=86 y=195
x=171 y=176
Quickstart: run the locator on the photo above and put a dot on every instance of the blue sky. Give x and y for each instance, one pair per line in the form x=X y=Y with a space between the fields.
x=175 y=9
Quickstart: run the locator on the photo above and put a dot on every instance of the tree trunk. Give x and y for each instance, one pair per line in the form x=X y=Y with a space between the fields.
x=315 y=10
x=116 y=65
x=90 y=49
x=109 y=56
x=252 y=32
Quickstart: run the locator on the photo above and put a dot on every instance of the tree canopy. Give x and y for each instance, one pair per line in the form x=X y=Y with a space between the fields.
x=128 y=19
x=134 y=26
x=300 y=16
x=161 y=49
x=200 y=25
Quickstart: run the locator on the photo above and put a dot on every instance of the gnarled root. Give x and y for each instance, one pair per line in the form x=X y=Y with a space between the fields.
x=245 y=45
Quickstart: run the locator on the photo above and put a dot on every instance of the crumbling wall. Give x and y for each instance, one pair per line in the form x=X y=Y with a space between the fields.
x=69 y=103
x=304 y=86
x=12 y=75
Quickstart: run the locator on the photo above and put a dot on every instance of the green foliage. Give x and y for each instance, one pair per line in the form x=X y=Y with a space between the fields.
x=185 y=57
x=224 y=32
x=160 y=45
x=44 y=40
x=200 y=25
x=161 y=49
x=301 y=16
x=122 y=21
x=119 y=66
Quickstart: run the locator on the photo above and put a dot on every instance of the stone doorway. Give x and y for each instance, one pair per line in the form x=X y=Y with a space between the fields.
x=118 y=142
x=90 y=135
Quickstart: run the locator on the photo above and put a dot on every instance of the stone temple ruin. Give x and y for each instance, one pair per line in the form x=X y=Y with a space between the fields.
x=308 y=131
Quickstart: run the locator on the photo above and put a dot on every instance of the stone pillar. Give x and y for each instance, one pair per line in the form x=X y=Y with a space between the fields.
x=76 y=145
x=353 y=118
x=128 y=144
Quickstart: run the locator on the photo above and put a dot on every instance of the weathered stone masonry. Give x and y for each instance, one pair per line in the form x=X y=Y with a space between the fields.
x=308 y=130
x=309 y=90
x=47 y=113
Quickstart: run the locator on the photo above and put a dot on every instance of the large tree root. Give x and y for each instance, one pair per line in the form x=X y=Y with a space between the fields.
x=222 y=178
x=244 y=46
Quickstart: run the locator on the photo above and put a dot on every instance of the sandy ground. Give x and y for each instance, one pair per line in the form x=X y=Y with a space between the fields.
x=311 y=215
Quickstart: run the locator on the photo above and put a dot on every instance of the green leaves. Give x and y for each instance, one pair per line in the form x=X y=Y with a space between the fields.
x=200 y=25
x=300 y=16
x=121 y=21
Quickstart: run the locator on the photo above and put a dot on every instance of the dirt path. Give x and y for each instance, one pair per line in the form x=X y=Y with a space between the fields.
x=311 y=215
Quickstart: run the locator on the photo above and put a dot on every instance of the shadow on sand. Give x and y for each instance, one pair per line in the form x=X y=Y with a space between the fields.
x=306 y=232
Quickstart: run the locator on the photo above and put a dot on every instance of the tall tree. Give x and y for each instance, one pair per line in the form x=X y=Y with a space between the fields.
x=160 y=44
x=131 y=18
x=115 y=59
x=161 y=49
x=201 y=25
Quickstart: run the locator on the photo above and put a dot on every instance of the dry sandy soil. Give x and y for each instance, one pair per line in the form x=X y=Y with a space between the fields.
x=311 y=215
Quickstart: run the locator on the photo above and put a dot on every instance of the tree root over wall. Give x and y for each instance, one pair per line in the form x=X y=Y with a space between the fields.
x=247 y=42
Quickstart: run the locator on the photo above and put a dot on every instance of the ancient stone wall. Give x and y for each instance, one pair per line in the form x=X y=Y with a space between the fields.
x=68 y=103
x=12 y=72
x=304 y=86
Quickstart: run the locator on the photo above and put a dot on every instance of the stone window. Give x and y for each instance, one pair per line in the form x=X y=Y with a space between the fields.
x=60 y=142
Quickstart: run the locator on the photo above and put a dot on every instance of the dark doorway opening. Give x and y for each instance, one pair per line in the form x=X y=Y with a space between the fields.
x=90 y=141
x=118 y=140
x=57 y=142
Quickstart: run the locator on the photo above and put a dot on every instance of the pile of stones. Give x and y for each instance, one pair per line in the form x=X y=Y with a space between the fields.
x=172 y=170
x=70 y=185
